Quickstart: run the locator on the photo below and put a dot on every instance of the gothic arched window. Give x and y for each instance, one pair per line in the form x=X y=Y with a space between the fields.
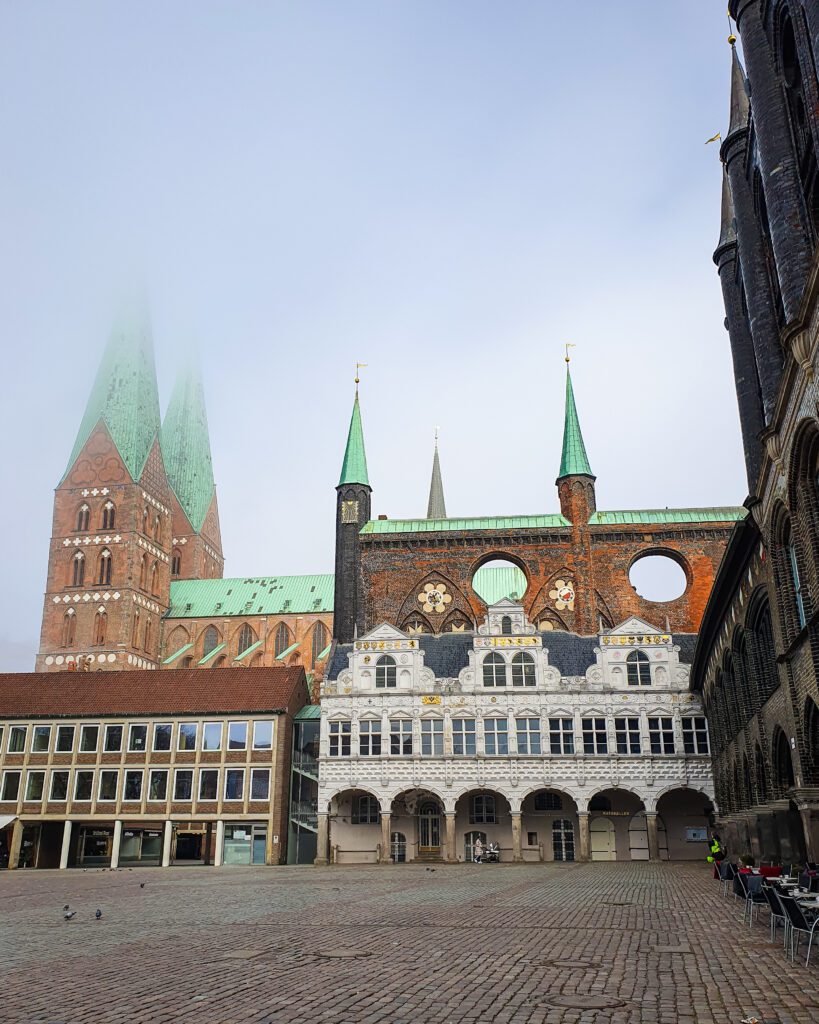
x=146 y=518
x=69 y=627
x=211 y=640
x=143 y=572
x=783 y=764
x=762 y=629
x=247 y=638
x=83 y=518
x=176 y=562
x=798 y=106
x=385 y=672
x=494 y=670
x=135 y=629
x=155 y=578
x=282 y=641
x=523 y=670
x=109 y=515
x=104 y=574
x=638 y=669
x=100 y=622
x=157 y=527
x=149 y=630
x=319 y=641
x=506 y=625
x=78 y=569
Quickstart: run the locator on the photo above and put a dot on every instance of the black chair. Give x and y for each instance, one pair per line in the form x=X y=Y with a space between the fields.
x=810 y=866
x=753 y=899
x=778 y=914
x=799 y=925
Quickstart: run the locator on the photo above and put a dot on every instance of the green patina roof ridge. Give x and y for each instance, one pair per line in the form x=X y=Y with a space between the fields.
x=354 y=467
x=186 y=447
x=124 y=396
x=573 y=461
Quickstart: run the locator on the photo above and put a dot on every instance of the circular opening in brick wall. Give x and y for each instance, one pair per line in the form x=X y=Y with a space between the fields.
x=658 y=578
x=498 y=579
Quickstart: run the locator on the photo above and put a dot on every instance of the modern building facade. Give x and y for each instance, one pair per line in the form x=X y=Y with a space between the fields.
x=110 y=769
x=553 y=745
x=756 y=662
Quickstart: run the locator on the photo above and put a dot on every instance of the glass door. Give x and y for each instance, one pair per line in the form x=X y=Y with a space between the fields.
x=429 y=830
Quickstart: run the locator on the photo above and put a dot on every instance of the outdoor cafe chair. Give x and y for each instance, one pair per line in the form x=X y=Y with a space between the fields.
x=778 y=915
x=799 y=925
x=753 y=898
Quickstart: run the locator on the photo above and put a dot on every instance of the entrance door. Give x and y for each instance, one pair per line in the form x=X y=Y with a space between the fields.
x=602 y=839
x=562 y=839
x=30 y=847
x=398 y=847
x=429 y=828
x=259 y=843
x=638 y=837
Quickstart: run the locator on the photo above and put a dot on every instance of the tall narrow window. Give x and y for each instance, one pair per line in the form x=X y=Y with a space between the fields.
x=100 y=622
x=146 y=518
x=78 y=569
x=790 y=548
x=385 y=672
x=282 y=639
x=523 y=670
x=109 y=515
x=494 y=670
x=104 y=574
x=247 y=638
x=506 y=625
x=211 y=641
x=148 y=633
x=83 y=517
x=176 y=562
x=143 y=572
x=135 y=629
x=319 y=640
x=638 y=669
x=155 y=578
x=69 y=627
x=157 y=528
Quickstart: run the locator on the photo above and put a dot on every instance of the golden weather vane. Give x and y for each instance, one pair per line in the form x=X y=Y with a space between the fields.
x=358 y=366
x=569 y=344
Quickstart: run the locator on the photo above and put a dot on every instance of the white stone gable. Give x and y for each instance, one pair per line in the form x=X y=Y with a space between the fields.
x=384 y=632
x=633 y=625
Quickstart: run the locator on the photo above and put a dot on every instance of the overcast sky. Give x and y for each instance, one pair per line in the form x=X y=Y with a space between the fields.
x=447 y=191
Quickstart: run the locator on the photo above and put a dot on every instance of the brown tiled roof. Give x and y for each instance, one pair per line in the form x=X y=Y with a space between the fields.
x=174 y=691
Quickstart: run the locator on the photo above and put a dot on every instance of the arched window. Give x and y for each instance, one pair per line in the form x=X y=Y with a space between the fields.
x=506 y=625
x=731 y=708
x=78 y=569
x=523 y=670
x=157 y=527
x=638 y=669
x=247 y=638
x=761 y=775
x=104 y=574
x=211 y=640
x=494 y=670
x=176 y=562
x=767 y=245
x=220 y=662
x=795 y=579
x=764 y=650
x=109 y=515
x=319 y=640
x=135 y=629
x=385 y=672
x=187 y=662
x=282 y=641
x=100 y=623
x=83 y=518
x=155 y=578
x=783 y=765
x=149 y=633
x=69 y=627
x=146 y=518
x=811 y=727
x=797 y=109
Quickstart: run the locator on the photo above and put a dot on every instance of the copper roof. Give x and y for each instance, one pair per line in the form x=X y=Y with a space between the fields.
x=132 y=693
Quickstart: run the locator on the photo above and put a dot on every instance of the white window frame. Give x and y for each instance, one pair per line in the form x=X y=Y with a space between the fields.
x=369 y=736
x=401 y=737
x=13 y=729
x=338 y=732
x=258 y=772
x=630 y=734
x=692 y=732
x=372 y=815
x=107 y=799
x=661 y=733
x=179 y=734
x=207 y=799
x=7 y=774
x=233 y=799
x=183 y=799
x=462 y=735
x=29 y=775
x=39 y=729
x=590 y=727
x=63 y=729
x=495 y=735
x=564 y=734
x=432 y=737
x=131 y=727
x=256 y=724
x=162 y=750
x=529 y=733
x=230 y=726
x=133 y=771
x=79 y=799
x=157 y=799
x=62 y=799
x=526 y=667
x=220 y=727
x=113 y=750
x=494 y=664
x=83 y=730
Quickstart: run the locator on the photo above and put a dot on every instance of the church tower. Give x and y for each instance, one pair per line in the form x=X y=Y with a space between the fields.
x=196 y=552
x=353 y=500
x=436 y=507
x=575 y=481
x=109 y=560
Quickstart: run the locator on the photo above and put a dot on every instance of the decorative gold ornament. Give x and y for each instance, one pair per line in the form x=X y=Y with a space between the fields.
x=563 y=595
x=434 y=598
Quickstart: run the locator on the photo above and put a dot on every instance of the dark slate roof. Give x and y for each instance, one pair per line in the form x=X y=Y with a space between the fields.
x=447 y=654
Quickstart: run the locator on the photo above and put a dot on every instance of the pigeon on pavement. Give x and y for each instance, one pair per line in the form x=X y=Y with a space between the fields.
x=68 y=914
x=98 y=914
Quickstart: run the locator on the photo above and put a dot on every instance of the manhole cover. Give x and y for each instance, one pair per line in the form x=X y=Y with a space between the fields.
x=576 y=1001
x=343 y=954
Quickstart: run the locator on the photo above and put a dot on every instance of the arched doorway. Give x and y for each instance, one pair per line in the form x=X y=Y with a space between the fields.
x=638 y=837
x=549 y=825
x=417 y=815
x=429 y=827
x=354 y=827
x=484 y=812
x=469 y=844
x=603 y=839
x=686 y=815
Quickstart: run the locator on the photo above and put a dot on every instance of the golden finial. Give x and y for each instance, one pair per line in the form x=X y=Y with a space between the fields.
x=437 y=432
x=732 y=39
x=569 y=344
x=358 y=366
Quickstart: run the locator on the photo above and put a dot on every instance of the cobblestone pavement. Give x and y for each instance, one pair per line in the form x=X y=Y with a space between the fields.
x=643 y=943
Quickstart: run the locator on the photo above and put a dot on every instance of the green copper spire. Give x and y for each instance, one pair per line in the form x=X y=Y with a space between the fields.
x=574 y=461
x=436 y=508
x=124 y=396
x=186 y=447
x=354 y=467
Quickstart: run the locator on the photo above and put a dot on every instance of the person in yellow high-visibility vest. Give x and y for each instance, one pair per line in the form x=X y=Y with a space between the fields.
x=715 y=852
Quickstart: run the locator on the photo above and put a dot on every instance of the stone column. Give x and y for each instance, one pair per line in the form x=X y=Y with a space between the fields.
x=116 y=843
x=166 y=844
x=66 y=846
x=16 y=843
x=584 y=836
x=323 y=842
x=653 y=840
x=220 y=843
x=449 y=851
x=516 y=854
x=386 y=837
